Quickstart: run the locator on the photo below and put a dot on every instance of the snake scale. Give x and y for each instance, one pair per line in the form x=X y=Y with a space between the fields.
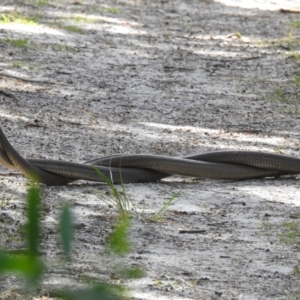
x=228 y=165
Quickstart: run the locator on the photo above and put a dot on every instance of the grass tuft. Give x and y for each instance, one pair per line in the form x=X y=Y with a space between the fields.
x=113 y=10
x=292 y=232
x=135 y=272
x=116 y=199
x=118 y=241
x=80 y=19
x=21 y=43
x=99 y=291
x=158 y=216
x=72 y=28
x=18 y=64
x=17 y=18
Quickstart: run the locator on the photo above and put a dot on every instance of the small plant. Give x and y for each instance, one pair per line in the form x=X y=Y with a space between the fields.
x=42 y=2
x=122 y=204
x=238 y=35
x=72 y=28
x=277 y=150
x=79 y=19
x=294 y=54
x=15 y=17
x=98 y=291
x=292 y=234
x=113 y=10
x=297 y=270
x=293 y=296
x=297 y=81
x=5 y=18
x=21 y=43
x=278 y=95
x=295 y=111
x=159 y=214
x=295 y=24
x=135 y=272
x=289 y=41
x=69 y=28
x=18 y=64
x=116 y=199
x=38 y=2
x=118 y=242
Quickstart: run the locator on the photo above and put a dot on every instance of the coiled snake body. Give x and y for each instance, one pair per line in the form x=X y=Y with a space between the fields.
x=228 y=165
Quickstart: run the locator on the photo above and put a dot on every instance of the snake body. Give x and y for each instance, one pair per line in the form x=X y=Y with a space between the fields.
x=228 y=165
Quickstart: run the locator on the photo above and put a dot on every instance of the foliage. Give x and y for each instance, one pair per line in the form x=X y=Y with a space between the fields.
x=118 y=242
x=29 y=264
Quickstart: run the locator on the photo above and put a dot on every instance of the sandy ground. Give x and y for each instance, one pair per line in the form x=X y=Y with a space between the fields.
x=162 y=77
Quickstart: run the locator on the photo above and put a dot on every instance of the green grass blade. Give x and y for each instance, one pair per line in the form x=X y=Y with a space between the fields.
x=33 y=225
x=120 y=200
x=29 y=266
x=168 y=203
x=66 y=231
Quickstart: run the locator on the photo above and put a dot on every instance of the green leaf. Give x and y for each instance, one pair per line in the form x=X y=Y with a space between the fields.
x=66 y=231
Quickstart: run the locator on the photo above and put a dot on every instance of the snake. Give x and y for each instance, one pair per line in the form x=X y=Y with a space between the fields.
x=133 y=168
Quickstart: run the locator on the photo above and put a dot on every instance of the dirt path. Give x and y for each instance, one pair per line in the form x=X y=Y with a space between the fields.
x=82 y=79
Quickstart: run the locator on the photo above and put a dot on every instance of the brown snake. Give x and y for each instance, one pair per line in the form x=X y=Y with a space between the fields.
x=228 y=165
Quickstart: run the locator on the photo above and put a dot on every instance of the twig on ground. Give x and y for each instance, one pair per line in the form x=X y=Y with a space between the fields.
x=217 y=224
x=27 y=79
x=11 y=95
x=193 y=231
x=232 y=59
x=290 y=10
